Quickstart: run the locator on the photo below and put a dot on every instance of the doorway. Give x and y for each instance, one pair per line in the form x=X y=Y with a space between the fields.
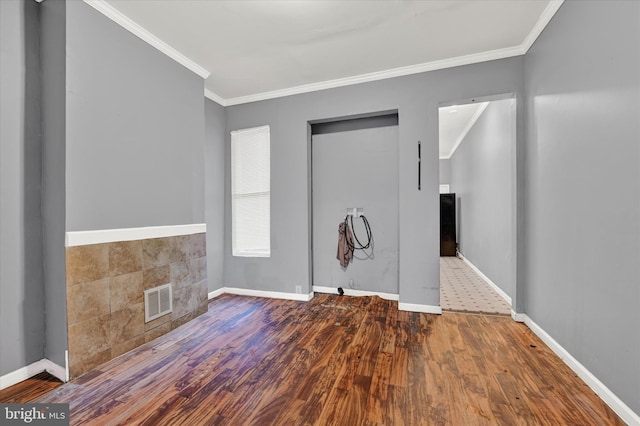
x=477 y=162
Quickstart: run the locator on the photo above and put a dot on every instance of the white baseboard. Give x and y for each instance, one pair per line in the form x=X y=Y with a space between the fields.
x=412 y=307
x=517 y=317
x=429 y=309
x=31 y=370
x=56 y=370
x=493 y=285
x=354 y=292
x=269 y=294
x=626 y=413
x=215 y=293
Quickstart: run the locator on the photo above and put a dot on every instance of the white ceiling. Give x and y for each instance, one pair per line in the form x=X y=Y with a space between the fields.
x=262 y=48
x=454 y=124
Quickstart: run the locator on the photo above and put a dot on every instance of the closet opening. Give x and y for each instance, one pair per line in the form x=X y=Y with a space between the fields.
x=354 y=179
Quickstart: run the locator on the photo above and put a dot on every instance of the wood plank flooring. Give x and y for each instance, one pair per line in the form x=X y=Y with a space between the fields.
x=30 y=389
x=335 y=361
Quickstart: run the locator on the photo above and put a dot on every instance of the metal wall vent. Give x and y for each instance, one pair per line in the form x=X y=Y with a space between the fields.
x=158 y=301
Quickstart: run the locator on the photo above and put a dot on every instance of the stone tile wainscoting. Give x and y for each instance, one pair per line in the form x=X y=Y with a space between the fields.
x=105 y=299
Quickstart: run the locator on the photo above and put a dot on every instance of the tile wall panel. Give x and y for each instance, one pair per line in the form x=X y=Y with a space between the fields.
x=105 y=301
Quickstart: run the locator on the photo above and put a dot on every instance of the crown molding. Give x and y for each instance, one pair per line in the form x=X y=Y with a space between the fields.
x=215 y=97
x=466 y=130
x=129 y=25
x=381 y=75
x=492 y=55
x=109 y=11
x=548 y=13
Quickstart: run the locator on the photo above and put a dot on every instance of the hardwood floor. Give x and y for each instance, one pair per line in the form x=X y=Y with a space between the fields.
x=30 y=389
x=335 y=361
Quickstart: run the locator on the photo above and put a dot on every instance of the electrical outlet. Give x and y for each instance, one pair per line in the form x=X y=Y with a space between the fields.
x=298 y=289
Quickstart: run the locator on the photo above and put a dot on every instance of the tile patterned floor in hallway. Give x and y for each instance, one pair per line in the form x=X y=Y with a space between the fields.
x=462 y=290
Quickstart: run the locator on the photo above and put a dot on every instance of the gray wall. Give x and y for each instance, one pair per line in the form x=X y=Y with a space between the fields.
x=122 y=146
x=21 y=288
x=135 y=130
x=215 y=117
x=416 y=98
x=583 y=192
x=53 y=62
x=445 y=171
x=482 y=177
x=357 y=168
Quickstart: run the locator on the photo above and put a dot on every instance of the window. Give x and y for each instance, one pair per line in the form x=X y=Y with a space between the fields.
x=251 y=192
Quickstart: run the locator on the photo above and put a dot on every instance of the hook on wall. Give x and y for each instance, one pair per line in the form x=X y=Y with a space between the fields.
x=355 y=211
x=419 y=164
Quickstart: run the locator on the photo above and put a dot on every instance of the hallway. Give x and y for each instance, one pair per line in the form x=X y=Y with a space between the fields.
x=462 y=290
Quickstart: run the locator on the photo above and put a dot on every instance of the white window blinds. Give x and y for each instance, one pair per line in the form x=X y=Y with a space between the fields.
x=250 y=192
